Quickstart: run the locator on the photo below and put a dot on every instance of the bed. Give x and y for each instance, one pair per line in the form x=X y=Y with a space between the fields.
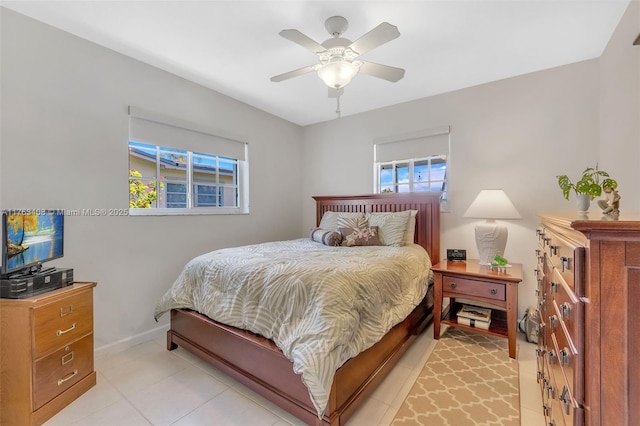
x=258 y=363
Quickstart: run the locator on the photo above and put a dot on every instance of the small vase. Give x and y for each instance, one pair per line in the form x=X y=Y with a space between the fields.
x=584 y=201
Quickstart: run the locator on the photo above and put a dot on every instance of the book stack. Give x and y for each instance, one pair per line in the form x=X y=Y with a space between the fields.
x=474 y=316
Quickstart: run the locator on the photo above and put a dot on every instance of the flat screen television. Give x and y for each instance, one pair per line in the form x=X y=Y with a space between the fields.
x=30 y=238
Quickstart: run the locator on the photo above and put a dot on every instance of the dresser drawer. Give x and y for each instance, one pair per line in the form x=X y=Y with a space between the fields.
x=567 y=257
x=467 y=287
x=62 y=321
x=566 y=401
x=62 y=369
x=568 y=308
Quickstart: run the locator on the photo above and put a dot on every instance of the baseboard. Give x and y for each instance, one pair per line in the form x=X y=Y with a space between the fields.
x=130 y=341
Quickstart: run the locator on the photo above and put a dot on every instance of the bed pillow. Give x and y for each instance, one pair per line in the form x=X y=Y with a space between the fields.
x=329 y=220
x=392 y=225
x=326 y=237
x=367 y=236
x=410 y=233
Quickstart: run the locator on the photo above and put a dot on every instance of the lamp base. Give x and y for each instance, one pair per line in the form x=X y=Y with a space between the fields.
x=491 y=240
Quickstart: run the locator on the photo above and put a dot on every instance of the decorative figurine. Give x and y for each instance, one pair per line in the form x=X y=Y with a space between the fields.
x=610 y=204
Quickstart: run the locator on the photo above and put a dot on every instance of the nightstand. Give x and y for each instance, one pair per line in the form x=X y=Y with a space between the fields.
x=474 y=282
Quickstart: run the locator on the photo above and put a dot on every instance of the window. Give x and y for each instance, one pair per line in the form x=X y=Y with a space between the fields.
x=414 y=175
x=413 y=163
x=168 y=176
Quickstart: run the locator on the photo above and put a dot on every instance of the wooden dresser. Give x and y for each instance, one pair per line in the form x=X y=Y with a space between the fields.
x=46 y=349
x=588 y=290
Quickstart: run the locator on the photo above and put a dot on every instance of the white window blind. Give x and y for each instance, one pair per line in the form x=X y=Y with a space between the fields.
x=415 y=145
x=150 y=128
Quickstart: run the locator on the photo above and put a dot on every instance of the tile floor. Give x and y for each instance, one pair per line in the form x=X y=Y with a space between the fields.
x=148 y=385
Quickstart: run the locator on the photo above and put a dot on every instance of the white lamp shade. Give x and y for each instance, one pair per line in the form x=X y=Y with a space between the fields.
x=492 y=204
x=491 y=237
x=337 y=74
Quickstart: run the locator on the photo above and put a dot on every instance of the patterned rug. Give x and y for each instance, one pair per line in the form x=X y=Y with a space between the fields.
x=469 y=379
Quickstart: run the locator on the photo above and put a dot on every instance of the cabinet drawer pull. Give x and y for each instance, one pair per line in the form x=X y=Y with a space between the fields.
x=565 y=356
x=493 y=291
x=66 y=310
x=553 y=321
x=565 y=263
x=61 y=381
x=67 y=358
x=565 y=310
x=553 y=250
x=452 y=285
x=565 y=399
x=61 y=332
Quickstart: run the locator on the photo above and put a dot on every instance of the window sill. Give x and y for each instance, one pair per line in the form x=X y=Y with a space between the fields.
x=186 y=212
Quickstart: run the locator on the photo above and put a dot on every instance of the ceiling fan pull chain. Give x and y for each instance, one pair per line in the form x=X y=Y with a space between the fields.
x=338 y=107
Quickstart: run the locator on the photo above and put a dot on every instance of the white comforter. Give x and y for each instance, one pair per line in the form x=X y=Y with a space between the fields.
x=321 y=305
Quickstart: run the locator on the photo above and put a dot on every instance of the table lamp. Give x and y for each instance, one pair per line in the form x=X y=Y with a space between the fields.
x=491 y=236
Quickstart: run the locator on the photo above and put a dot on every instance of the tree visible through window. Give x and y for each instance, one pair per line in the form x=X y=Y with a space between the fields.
x=171 y=178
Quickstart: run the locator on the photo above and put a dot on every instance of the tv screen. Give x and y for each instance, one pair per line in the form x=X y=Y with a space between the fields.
x=31 y=237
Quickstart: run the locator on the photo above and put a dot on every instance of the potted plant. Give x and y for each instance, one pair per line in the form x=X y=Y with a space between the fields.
x=588 y=187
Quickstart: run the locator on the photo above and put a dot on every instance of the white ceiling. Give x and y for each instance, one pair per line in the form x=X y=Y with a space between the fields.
x=233 y=47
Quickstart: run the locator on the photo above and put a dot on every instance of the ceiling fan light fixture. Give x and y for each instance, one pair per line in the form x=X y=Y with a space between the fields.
x=338 y=74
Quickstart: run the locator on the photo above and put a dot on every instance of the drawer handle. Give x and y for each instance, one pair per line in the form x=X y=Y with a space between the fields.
x=565 y=311
x=565 y=399
x=452 y=285
x=493 y=291
x=66 y=310
x=61 y=381
x=553 y=250
x=67 y=358
x=61 y=332
x=553 y=321
x=565 y=356
x=565 y=263
x=553 y=286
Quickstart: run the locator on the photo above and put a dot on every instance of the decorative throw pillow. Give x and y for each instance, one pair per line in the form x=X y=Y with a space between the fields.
x=367 y=236
x=328 y=238
x=393 y=226
x=410 y=233
x=329 y=219
x=353 y=222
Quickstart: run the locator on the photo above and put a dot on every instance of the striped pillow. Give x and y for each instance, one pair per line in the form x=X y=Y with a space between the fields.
x=392 y=225
x=330 y=219
x=328 y=238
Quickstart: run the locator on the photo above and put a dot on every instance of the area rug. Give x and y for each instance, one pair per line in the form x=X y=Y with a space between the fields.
x=469 y=379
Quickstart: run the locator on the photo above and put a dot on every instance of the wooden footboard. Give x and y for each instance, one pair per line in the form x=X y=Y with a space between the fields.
x=257 y=362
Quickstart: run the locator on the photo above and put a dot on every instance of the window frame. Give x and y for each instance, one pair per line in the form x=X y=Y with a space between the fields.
x=240 y=168
x=412 y=159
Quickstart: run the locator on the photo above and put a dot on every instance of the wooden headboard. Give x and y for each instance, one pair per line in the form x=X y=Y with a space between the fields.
x=427 y=219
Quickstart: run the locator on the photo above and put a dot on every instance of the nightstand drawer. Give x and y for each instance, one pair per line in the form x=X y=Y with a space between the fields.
x=468 y=287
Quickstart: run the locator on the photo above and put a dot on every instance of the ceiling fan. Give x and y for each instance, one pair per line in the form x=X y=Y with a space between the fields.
x=337 y=56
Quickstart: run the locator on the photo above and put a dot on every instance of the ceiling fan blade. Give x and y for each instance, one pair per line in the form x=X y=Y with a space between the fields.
x=379 y=35
x=334 y=93
x=385 y=72
x=301 y=39
x=294 y=73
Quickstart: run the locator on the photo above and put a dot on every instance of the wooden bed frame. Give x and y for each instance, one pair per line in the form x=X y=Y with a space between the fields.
x=257 y=362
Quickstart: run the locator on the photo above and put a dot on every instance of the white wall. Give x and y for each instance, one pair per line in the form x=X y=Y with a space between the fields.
x=517 y=134
x=64 y=134
x=620 y=108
